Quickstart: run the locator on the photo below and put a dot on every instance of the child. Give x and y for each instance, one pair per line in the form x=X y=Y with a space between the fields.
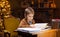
x=28 y=20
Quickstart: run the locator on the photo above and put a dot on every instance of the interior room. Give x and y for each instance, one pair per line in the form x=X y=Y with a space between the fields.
x=29 y=18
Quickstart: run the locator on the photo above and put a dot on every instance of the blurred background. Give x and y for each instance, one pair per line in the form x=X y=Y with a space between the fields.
x=45 y=11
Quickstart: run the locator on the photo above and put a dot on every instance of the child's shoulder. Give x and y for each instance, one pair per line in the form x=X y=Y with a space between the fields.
x=23 y=20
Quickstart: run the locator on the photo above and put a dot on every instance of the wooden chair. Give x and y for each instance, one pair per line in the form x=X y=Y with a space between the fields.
x=11 y=24
x=1 y=34
x=1 y=31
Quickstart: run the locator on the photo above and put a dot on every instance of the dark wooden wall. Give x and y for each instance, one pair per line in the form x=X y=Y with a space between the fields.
x=41 y=15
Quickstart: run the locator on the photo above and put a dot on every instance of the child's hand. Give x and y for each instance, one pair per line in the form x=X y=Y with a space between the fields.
x=32 y=26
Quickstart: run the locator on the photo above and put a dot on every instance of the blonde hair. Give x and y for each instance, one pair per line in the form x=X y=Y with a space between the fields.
x=29 y=10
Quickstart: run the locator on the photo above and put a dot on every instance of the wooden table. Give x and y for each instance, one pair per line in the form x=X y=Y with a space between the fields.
x=43 y=33
x=26 y=34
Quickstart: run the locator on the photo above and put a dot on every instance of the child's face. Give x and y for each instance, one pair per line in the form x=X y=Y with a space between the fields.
x=30 y=17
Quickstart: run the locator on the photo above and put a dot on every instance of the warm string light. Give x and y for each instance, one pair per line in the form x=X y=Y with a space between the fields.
x=5 y=8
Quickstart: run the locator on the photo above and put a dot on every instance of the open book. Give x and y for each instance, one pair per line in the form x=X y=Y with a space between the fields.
x=39 y=27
